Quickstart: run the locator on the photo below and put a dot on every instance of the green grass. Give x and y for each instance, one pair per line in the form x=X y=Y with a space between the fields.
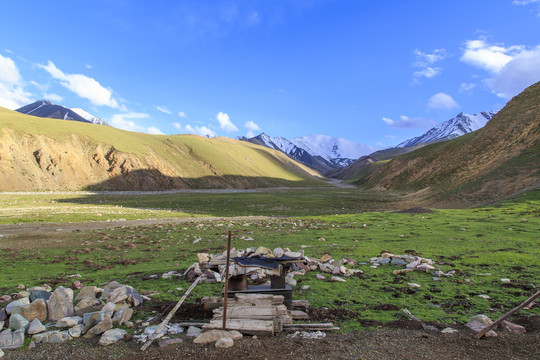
x=483 y=245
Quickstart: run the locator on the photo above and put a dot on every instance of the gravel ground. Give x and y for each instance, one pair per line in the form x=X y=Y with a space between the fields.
x=383 y=343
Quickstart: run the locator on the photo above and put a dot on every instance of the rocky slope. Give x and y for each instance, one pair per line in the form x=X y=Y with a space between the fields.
x=498 y=160
x=48 y=154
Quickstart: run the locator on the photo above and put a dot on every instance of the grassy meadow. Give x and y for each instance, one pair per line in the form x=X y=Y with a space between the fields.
x=483 y=245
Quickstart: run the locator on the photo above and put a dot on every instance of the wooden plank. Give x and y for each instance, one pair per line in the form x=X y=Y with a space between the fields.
x=245 y=326
x=299 y=315
x=505 y=316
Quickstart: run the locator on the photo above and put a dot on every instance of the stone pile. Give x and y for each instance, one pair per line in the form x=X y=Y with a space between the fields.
x=213 y=266
x=56 y=316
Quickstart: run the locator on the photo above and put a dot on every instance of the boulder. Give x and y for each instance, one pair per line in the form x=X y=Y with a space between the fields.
x=17 y=321
x=3 y=314
x=77 y=285
x=86 y=292
x=511 y=327
x=36 y=310
x=88 y=305
x=59 y=337
x=203 y=257
x=122 y=315
x=11 y=339
x=193 y=331
x=109 y=308
x=109 y=288
x=36 y=327
x=111 y=336
x=261 y=250
x=278 y=252
x=224 y=343
x=100 y=328
x=125 y=292
x=17 y=303
x=60 y=304
x=76 y=331
x=479 y=322
x=215 y=335
x=99 y=316
x=40 y=294
x=69 y=322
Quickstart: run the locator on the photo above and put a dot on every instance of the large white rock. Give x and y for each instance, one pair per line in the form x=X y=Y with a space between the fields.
x=60 y=304
x=224 y=343
x=111 y=336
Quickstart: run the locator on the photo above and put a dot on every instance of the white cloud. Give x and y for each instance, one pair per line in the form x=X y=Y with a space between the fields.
x=225 y=122
x=442 y=101
x=528 y=2
x=84 y=86
x=466 y=87
x=182 y=114
x=9 y=72
x=163 y=109
x=177 y=125
x=512 y=68
x=200 y=130
x=12 y=93
x=489 y=57
x=406 y=122
x=522 y=71
x=125 y=121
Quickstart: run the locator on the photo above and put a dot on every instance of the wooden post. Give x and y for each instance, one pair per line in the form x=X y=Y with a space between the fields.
x=226 y=290
x=161 y=326
x=505 y=316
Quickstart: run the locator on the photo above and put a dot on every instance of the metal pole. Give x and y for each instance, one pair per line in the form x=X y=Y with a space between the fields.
x=226 y=291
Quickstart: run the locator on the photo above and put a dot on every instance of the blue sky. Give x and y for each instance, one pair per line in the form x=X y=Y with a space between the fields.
x=373 y=72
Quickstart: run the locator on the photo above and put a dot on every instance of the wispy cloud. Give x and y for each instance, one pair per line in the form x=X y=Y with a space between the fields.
x=225 y=122
x=197 y=130
x=466 y=88
x=163 y=109
x=12 y=93
x=406 y=122
x=125 y=121
x=182 y=114
x=442 y=101
x=84 y=86
x=425 y=61
x=252 y=128
x=529 y=2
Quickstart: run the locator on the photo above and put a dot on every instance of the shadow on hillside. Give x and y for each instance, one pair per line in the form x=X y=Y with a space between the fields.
x=155 y=180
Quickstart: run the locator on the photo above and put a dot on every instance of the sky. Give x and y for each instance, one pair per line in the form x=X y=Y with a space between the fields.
x=373 y=72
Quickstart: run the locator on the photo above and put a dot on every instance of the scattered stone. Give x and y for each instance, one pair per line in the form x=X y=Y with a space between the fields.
x=479 y=322
x=5 y=298
x=60 y=304
x=224 y=343
x=17 y=321
x=125 y=292
x=448 y=330
x=36 y=327
x=511 y=327
x=31 y=345
x=77 y=285
x=112 y=336
x=307 y=335
x=337 y=279
x=505 y=281
x=320 y=277
x=398 y=262
x=36 y=310
x=487 y=297
x=305 y=287
x=17 y=303
x=168 y=342
x=59 y=337
x=436 y=278
x=193 y=331
x=326 y=258
x=40 y=294
x=109 y=288
x=203 y=257
x=109 y=308
x=414 y=285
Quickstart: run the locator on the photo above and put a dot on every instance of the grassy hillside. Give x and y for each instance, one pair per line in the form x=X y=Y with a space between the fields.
x=496 y=161
x=49 y=154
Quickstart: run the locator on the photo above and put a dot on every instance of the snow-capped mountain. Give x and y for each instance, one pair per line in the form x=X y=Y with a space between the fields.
x=48 y=109
x=87 y=116
x=321 y=152
x=450 y=129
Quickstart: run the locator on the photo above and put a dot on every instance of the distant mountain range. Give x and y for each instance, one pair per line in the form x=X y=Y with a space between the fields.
x=48 y=109
x=330 y=155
